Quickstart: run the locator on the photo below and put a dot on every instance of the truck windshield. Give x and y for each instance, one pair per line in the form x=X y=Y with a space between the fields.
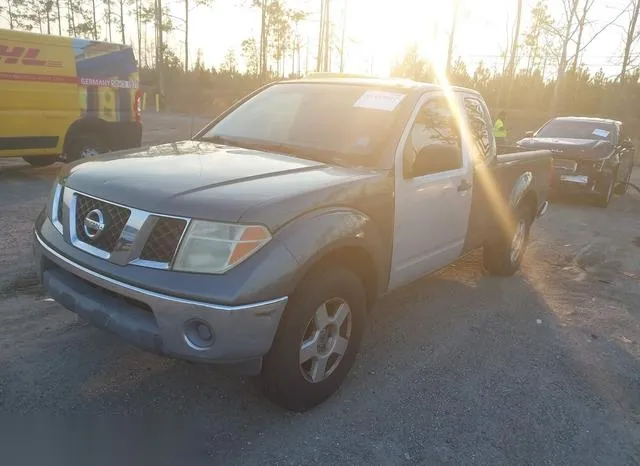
x=341 y=123
x=577 y=129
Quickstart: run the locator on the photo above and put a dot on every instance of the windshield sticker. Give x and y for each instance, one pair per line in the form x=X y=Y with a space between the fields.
x=379 y=100
x=603 y=133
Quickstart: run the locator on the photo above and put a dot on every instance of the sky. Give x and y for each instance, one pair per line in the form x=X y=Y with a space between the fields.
x=379 y=31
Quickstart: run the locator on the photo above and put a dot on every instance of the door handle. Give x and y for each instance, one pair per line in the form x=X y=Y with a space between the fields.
x=464 y=186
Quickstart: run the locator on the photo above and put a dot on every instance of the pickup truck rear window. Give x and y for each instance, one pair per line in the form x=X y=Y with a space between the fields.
x=315 y=120
x=479 y=126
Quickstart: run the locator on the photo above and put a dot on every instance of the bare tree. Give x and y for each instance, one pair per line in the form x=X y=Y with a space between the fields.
x=452 y=34
x=537 y=35
x=264 y=33
x=59 y=17
x=187 y=10
x=566 y=33
x=581 y=24
x=138 y=15
x=95 y=23
x=515 y=42
x=513 y=54
x=344 y=30
x=121 y=22
x=10 y=13
x=630 y=37
x=108 y=17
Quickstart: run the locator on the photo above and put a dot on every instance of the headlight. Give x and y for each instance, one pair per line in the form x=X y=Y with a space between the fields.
x=54 y=206
x=210 y=247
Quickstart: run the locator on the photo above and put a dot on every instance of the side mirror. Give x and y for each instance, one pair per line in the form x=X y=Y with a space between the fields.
x=529 y=134
x=435 y=158
x=627 y=144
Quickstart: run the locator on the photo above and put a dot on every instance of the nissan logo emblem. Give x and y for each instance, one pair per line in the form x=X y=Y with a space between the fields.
x=93 y=224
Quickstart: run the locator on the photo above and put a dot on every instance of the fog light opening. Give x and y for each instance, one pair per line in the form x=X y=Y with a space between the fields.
x=198 y=334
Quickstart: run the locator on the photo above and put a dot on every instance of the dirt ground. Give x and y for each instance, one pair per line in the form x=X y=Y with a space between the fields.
x=458 y=368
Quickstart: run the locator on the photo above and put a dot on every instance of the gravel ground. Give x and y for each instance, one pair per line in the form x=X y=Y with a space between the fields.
x=459 y=368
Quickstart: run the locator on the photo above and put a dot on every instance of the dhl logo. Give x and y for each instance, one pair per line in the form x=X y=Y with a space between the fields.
x=26 y=56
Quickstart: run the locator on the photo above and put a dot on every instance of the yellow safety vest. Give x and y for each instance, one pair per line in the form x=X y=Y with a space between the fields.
x=499 y=130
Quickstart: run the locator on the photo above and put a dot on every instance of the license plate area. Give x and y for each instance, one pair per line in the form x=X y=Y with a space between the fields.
x=579 y=179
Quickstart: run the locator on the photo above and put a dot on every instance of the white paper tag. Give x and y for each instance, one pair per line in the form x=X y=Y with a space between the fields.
x=603 y=133
x=379 y=100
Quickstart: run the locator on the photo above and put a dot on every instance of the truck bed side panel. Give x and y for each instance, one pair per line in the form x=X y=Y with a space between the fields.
x=492 y=188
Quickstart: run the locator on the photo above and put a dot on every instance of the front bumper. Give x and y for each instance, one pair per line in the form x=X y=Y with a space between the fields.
x=193 y=330
x=576 y=183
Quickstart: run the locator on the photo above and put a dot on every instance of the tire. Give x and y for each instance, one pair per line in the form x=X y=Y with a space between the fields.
x=603 y=198
x=622 y=188
x=85 y=145
x=38 y=161
x=503 y=255
x=284 y=379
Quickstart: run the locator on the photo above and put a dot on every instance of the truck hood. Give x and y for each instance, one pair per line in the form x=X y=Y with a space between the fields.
x=214 y=182
x=579 y=149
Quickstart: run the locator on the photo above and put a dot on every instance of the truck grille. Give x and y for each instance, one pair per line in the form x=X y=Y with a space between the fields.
x=115 y=218
x=128 y=235
x=164 y=239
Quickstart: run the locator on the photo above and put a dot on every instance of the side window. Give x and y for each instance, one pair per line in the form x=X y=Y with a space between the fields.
x=479 y=124
x=433 y=145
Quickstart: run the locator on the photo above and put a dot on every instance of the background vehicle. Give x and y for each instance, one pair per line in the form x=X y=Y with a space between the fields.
x=265 y=240
x=63 y=96
x=591 y=155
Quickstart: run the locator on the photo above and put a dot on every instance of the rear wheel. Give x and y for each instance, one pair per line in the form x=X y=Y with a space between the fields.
x=40 y=160
x=503 y=255
x=86 y=145
x=317 y=340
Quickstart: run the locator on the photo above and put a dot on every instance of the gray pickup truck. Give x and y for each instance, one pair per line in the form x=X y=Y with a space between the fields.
x=264 y=241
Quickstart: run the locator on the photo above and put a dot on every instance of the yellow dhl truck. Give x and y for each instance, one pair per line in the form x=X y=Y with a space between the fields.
x=68 y=98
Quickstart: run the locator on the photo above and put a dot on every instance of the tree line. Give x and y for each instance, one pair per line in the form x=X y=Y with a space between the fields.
x=541 y=69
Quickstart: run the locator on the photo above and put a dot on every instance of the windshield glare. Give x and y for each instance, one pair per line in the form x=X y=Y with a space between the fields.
x=578 y=130
x=321 y=121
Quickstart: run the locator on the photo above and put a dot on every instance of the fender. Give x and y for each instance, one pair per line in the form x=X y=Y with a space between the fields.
x=312 y=236
x=520 y=189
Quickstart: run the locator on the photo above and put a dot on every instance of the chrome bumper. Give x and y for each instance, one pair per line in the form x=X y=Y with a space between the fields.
x=159 y=323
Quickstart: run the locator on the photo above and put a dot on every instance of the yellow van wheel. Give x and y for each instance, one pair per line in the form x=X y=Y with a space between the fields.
x=85 y=145
x=40 y=160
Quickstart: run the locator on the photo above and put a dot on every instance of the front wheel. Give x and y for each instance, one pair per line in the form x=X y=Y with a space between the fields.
x=502 y=256
x=605 y=193
x=317 y=341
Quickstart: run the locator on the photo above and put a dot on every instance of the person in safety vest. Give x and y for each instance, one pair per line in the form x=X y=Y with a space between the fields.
x=499 y=129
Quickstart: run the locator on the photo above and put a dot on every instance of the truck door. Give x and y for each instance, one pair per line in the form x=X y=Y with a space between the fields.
x=433 y=191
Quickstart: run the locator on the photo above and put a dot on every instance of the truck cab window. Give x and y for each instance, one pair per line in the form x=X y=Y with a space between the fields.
x=479 y=125
x=433 y=145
